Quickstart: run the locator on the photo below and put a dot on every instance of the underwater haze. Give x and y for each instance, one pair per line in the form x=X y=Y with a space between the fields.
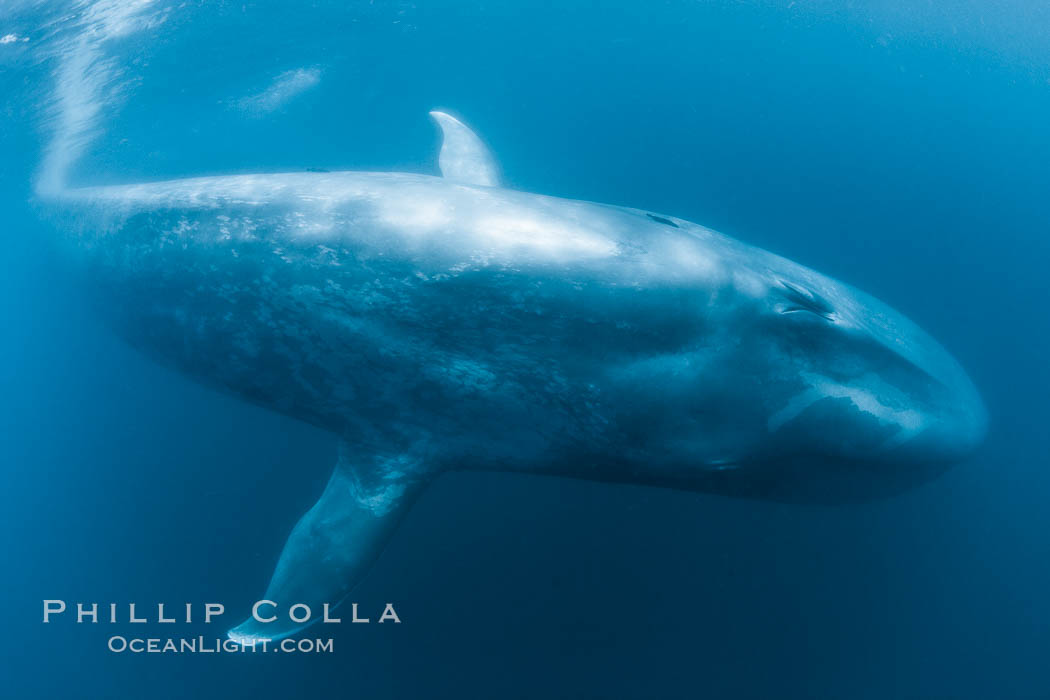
x=899 y=146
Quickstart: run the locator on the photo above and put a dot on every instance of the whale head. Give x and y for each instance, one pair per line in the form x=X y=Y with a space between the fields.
x=792 y=380
x=872 y=385
x=831 y=376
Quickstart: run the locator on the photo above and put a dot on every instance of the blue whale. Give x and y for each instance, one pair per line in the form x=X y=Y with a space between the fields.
x=445 y=323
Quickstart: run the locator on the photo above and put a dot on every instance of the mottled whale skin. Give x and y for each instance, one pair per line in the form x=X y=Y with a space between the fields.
x=439 y=323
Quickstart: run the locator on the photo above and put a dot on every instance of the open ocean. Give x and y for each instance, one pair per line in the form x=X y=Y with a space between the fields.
x=900 y=146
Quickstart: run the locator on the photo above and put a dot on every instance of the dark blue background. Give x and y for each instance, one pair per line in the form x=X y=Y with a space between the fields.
x=902 y=147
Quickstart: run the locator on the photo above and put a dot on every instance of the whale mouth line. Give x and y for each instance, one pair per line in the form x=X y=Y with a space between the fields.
x=910 y=422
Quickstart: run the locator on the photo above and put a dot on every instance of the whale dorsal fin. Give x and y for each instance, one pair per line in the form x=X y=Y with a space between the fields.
x=464 y=157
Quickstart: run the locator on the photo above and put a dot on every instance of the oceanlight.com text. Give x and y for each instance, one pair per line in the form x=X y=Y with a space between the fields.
x=215 y=645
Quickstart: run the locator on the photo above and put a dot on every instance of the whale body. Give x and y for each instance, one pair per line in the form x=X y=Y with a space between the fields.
x=441 y=323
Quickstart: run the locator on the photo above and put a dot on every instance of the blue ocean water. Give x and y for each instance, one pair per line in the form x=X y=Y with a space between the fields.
x=901 y=147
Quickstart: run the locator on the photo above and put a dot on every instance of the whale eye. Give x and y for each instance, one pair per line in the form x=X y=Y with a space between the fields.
x=798 y=299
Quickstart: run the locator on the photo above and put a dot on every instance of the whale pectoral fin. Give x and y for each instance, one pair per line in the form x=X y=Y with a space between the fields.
x=464 y=157
x=334 y=544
